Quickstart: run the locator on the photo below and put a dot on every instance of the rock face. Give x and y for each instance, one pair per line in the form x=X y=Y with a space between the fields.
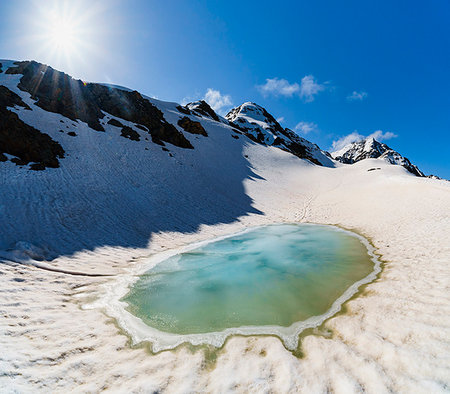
x=23 y=141
x=74 y=99
x=202 y=108
x=192 y=127
x=370 y=148
x=260 y=126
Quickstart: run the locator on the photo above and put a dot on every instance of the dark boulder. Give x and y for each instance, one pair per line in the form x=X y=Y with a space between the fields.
x=191 y=126
x=129 y=133
x=114 y=122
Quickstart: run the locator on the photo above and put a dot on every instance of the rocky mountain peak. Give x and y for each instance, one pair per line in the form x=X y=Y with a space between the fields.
x=370 y=148
x=201 y=108
x=260 y=126
x=250 y=114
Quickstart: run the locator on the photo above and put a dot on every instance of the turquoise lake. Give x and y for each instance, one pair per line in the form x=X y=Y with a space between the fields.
x=269 y=276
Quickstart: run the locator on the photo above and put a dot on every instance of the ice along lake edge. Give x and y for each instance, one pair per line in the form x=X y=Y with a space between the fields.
x=111 y=294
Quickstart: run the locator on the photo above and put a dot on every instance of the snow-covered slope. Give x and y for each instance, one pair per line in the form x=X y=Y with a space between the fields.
x=85 y=165
x=370 y=148
x=112 y=167
x=255 y=122
x=107 y=197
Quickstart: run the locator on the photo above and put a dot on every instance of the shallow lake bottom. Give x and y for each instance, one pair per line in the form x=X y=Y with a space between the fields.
x=271 y=280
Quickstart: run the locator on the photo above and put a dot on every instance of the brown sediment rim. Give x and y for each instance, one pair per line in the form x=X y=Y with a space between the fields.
x=291 y=337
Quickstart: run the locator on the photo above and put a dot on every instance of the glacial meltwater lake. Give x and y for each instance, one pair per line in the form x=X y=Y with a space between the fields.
x=274 y=275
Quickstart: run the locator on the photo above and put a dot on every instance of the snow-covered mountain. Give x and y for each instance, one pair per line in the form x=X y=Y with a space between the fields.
x=100 y=106
x=256 y=123
x=369 y=148
x=84 y=165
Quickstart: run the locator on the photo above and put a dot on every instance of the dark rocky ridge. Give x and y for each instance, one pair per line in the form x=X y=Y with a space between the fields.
x=201 y=108
x=184 y=110
x=57 y=92
x=23 y=141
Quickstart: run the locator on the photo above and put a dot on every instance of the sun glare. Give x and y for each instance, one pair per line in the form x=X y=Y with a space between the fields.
x=62 y=34
x=67 y=34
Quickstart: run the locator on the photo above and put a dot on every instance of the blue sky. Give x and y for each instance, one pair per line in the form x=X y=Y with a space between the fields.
x=331 y=69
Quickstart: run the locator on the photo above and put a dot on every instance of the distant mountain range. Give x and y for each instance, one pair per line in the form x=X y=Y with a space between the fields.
x=87 y=165
x=100 y=105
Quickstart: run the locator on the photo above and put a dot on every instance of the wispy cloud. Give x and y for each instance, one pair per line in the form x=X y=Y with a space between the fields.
x=219 y=102
x=278 y=87
x=382 y=136
x=346 y=140
x=305 y=127
x=190 y=99
x=280 y=119
x=379 y=135
x=307 y=89
x=357 y=96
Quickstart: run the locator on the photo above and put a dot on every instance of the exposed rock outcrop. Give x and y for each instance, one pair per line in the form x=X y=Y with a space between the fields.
x=184 y=110
x=129 y=133
x=23 y=141
x=191 y=126
x=115 y=122
x=58 y=92
x=202 y=108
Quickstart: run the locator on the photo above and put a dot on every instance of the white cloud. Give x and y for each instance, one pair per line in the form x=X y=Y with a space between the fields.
x=310 y=88
x=382 y=136
x=379 y=135
x=278 y=87
x=357 y=96
x=280 y=119
x=217 y=101
x=307 y=89
x=305 y=127
x=345 y=140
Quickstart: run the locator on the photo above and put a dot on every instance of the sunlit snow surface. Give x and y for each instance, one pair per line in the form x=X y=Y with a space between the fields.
x=277 y=279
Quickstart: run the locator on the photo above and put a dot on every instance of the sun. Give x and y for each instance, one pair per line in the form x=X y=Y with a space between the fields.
x=69 y=35
x=62 y=34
